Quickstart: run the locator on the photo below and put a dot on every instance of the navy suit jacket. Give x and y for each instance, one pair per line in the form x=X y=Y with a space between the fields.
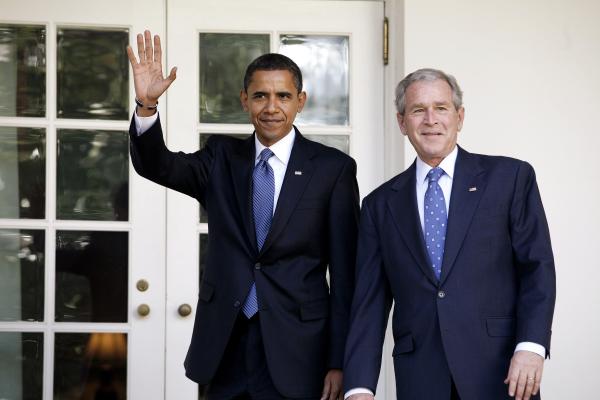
x=304 y=320
x=497 y=286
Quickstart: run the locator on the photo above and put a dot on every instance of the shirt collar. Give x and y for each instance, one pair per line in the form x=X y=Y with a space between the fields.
x=447 y=165
x=282 y=148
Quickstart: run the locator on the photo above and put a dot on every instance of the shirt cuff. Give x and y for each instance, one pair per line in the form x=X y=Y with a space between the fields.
x=532 y=347
x=357 y=391
x=142 y=124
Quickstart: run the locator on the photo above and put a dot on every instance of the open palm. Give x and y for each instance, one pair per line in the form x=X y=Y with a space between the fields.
x=147 y=73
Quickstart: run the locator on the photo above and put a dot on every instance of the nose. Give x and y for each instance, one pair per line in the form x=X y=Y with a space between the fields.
x=430 y=117
x=272 y=105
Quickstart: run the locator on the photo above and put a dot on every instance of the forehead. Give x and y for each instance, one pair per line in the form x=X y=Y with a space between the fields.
x=279 y=78
x=428 y=92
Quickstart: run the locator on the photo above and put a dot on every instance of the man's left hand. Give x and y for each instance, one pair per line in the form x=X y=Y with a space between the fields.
x=524 y=374
x=332 y=388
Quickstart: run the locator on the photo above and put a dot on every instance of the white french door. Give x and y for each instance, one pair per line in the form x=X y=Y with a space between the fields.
x=78 y=228
x=86 y=245
x=337 y=45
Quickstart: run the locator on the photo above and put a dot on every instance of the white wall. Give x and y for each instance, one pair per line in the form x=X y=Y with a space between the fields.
x=530 y=71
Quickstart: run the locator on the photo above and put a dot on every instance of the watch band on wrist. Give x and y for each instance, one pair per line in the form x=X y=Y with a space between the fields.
x=140 y=104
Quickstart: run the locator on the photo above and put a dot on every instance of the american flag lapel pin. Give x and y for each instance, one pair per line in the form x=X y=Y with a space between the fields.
x=297 y=172
x=473 y=189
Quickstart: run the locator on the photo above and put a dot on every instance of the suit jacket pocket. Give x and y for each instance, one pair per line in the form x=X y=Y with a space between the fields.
x=206 y=292
x=404 y=344
x=313 y=310
x=501 y=326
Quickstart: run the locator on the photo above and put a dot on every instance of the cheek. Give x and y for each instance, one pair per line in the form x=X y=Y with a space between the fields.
x=254 y=112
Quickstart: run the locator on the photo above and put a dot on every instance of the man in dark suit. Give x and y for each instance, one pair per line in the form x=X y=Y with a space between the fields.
x=282 y=211
x=459 y=242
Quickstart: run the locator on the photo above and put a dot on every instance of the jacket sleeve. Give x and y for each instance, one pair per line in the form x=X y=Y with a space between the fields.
x=370 y=309
x=185 y=173
x=343 y=230
x=532 y=252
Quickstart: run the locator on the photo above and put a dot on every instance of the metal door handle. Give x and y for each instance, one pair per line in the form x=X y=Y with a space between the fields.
x=143 y=310
x=184 y=310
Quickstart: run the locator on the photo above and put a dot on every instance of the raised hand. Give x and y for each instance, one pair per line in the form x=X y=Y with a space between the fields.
x=147 y=73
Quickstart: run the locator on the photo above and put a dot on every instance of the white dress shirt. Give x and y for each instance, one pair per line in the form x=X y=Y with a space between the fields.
x=445 y=182
x=281 y=150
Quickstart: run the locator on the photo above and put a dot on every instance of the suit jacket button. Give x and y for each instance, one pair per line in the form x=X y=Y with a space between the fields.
x=237 y=304
x=441 y=294
x=257 y=265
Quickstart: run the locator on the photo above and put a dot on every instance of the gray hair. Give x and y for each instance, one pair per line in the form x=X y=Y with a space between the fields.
x=427 y=74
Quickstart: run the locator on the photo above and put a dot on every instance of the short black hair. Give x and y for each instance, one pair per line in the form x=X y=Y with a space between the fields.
x=273 y=62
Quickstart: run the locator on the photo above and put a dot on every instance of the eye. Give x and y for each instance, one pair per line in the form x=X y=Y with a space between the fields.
x=442 y=108
x=258 y=95
x=418 y=110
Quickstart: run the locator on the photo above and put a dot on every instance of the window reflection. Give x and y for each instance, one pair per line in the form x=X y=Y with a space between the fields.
x=92 y=73
x=324 y=64
x=90 y=366
x=223 y=61
x=92 y=175
x=22 y=71
x=91 y=276
x=22 y=172
x=21 y=363
x=21 y=275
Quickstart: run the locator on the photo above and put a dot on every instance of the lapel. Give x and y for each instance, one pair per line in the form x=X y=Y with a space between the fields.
x=402 y=204
x=293 y=186
x=468 y=174
x=242 y=166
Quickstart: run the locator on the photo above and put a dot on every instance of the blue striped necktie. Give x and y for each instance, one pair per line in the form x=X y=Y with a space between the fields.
x=262 y=204
x=435 y=220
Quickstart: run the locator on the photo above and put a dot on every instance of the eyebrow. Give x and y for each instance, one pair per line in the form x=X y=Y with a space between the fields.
x=437 y=103
x=281 y=93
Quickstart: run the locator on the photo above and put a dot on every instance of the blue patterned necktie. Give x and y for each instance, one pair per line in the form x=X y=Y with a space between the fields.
x=262 y=204
x=435 y=220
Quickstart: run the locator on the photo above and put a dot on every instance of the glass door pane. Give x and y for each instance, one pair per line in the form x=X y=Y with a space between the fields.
x=323 y=60
x=223 y=60
x=93 y=71
x=22 y=172
x=23 y=70
x=21 y=363
x=92 y=175
x=90 y=366
x=91 y=276
x=22 y=275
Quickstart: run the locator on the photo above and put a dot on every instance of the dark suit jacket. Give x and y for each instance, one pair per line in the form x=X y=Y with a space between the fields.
x=303 y=320
x=497 y=286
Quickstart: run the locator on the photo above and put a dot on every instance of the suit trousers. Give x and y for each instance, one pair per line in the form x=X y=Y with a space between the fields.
x=243 y=371
x=454 y=394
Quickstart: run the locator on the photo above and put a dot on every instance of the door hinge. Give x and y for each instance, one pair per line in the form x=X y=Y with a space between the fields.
x=386 y=41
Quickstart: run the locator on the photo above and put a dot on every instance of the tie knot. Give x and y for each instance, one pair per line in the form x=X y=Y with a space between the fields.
x=265 y=155
x=434 y=174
